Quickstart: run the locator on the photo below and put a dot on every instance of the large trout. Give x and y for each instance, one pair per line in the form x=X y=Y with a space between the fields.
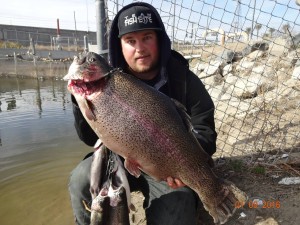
x=150 y=131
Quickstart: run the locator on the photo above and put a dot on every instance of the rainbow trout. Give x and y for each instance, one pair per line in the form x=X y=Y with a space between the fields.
x=109 y=189
x=151 y=132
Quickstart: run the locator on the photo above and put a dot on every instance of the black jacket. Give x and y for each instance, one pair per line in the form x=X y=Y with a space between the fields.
x=175 y=80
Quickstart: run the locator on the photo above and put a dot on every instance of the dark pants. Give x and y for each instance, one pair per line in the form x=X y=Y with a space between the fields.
x=163 y=205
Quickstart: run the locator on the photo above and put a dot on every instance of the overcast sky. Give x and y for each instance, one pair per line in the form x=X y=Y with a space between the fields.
x=44 y=13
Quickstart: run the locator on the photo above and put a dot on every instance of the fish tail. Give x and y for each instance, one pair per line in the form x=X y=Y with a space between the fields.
x=97 y=218
x=227 y=201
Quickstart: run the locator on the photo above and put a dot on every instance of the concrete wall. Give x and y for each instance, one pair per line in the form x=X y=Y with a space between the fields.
x=54 y=54
x=38 y=69
x=43 y=36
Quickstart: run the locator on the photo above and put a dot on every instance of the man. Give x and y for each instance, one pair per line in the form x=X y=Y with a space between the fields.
x=139 y=44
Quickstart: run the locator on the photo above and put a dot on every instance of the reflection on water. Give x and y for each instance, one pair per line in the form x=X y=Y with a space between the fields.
x=38 y=149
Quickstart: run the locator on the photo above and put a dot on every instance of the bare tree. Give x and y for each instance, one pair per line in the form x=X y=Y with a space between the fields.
x=257 y=27
x=285 y=28
x=271 y=30
x=248 y=30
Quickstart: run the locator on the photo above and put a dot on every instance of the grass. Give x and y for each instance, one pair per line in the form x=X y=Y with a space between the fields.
x=236 y=165
x=258 y=170
x=9 y=44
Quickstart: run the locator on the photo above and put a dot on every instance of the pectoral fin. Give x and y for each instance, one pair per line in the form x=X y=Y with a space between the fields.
x=132 y=168
x=186 y=119
x=88 y=110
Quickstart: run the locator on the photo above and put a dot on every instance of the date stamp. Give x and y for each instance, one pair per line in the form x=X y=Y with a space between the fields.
x=257 y=203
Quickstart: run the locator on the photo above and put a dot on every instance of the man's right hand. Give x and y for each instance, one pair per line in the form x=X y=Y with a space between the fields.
x=175 y=183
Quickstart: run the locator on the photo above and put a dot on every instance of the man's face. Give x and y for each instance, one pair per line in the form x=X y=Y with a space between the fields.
x=140 y=50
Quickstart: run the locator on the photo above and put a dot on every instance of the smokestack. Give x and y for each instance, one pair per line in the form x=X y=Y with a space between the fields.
x=58 y=30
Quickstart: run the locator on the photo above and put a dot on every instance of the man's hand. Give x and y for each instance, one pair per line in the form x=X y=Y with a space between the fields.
x=175 y=183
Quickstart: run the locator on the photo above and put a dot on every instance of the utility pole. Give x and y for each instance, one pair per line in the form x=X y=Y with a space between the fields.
x=102 y=47
x=253 y=18
x=87 y=16
x=76 y=46
x=238 y=13
x=173 y=31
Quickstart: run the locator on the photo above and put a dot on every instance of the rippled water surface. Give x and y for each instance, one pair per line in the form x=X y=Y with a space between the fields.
x=38 y=150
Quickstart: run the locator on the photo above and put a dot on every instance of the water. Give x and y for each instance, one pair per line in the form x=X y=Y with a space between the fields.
x=38 y=149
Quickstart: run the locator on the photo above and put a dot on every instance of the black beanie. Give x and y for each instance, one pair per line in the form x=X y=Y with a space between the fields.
x=137 y=18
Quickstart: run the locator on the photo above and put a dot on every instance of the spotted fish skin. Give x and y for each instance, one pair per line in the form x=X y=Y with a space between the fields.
x=149 y=131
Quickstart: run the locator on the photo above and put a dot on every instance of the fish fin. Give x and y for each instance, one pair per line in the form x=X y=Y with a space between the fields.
x=231 y=196
x=89 y=112
x=98 y=165
x=186 y=119
x=132 y=168
x=98 y=144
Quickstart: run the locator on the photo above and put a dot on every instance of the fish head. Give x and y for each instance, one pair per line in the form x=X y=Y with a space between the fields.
x=86 y=74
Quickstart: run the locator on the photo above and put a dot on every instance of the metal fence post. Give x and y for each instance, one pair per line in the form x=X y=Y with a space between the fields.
x=85 y=43
x=101 y=28
x=32 y=46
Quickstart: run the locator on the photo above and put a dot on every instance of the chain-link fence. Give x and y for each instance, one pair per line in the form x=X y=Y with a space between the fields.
x=69 y=40
x=247 y=54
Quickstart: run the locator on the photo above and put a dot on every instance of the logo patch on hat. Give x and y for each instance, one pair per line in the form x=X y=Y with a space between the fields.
x=138 y=19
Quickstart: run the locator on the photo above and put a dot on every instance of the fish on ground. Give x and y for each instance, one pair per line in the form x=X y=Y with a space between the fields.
x=149 y=130
x=109 y=189
x=110 y=207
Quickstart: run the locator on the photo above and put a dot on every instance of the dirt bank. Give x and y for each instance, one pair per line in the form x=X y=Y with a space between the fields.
x=280 y=202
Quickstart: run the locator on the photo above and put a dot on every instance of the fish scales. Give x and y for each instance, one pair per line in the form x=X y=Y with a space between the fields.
x=146 y=128
x=133 y=107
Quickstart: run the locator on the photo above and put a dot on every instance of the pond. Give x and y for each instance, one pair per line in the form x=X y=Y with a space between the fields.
x=38 y=149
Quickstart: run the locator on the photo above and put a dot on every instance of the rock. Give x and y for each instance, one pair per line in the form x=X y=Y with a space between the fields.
x=210 y=72
x=262 y=46
x=255 y=55
x=211 y=80
x=269 y=221
x=293 y=57
x=259 y=69
x=244 y=65
x=296 y=41
x=227 y=69
x=248 y=87
x=230 y=80
x=279 y=46
x=216 y=92
x=229 y=56
x=289 y=180
x=296 y=73
x=199 y=67
x=213 y=67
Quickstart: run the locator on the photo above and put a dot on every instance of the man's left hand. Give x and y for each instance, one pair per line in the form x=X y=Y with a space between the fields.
x=175 y=183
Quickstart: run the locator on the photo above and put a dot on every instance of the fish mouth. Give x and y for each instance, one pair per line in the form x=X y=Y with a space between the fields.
x=85 y=88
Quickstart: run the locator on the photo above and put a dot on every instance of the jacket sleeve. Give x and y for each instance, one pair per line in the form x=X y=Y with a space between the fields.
x=201 y=109
x=84 y=131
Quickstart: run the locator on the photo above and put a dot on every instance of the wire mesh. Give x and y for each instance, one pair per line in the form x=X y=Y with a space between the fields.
x=246 y=52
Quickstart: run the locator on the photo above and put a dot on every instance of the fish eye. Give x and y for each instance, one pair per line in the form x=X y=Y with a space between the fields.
x=92 y=59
